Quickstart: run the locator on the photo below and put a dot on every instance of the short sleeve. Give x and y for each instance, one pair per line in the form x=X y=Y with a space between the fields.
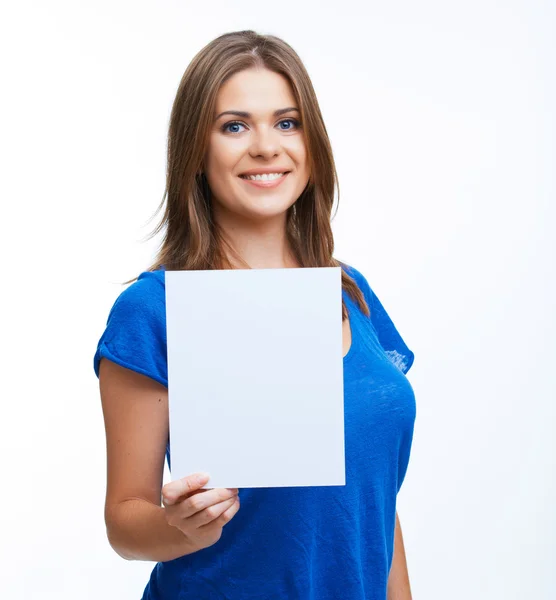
x=391 y=341
x=135 y=333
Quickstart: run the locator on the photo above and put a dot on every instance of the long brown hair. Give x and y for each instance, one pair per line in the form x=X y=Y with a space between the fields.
x=192 y=239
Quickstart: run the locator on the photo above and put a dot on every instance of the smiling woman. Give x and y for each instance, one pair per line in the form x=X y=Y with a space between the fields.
x=250 y=184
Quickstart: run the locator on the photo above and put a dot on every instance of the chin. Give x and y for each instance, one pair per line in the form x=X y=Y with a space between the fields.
x=269 y=211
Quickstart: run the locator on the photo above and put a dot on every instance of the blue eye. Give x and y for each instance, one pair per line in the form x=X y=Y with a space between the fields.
x=294 y=121
x=225 y=129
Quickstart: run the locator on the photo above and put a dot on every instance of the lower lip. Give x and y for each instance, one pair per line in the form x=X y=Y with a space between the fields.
x=266 y=184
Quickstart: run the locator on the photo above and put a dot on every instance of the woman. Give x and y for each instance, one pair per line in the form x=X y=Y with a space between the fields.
x=246 y=105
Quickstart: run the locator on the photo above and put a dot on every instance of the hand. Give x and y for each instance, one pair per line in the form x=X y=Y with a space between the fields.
x=199 y=514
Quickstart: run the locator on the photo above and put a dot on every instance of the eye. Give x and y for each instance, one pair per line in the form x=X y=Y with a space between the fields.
x=294 y=121
x=225 y=127
x=232 y=123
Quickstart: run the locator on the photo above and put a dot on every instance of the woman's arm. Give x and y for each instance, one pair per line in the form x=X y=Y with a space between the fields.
x=135 y=411
x=398 y=580
x=138 y=530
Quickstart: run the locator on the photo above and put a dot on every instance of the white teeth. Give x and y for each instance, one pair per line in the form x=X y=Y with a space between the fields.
x=263 y=177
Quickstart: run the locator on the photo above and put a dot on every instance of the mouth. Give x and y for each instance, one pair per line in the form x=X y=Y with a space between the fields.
x=269 y=181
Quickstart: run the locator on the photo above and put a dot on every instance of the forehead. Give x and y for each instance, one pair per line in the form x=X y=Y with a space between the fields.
x=256 y=91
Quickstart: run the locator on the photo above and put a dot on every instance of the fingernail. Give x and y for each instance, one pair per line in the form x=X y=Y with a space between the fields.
x=203 y=477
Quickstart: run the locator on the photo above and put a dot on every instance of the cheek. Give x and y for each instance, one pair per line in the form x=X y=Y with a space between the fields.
x=222 y=155
x=298 y=152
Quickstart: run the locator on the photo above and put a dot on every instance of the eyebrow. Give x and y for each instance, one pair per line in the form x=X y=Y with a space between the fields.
x=247 y=115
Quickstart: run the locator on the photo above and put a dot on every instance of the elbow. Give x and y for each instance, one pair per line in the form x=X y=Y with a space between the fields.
x=113 y=534
x=116 y=545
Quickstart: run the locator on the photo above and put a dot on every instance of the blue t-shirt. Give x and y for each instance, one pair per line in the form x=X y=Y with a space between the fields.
x=295 y=543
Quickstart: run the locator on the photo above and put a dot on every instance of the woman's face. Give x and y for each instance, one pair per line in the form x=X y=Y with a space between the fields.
x=261 y=141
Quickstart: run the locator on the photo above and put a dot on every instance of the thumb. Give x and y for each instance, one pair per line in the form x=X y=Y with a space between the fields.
x=172 y=491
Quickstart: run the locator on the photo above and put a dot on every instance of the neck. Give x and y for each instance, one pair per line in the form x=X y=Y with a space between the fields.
x=261 y=245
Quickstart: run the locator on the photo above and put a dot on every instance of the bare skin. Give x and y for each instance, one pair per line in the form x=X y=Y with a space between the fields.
x=346 y=337
x=398 y=580
x=135 y=411
x=253 y=219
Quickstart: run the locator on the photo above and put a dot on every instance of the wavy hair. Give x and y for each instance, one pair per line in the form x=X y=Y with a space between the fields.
x=192 y=239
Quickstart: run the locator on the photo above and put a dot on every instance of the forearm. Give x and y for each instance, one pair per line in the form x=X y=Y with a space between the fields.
x=398 y=580
x=138 y=530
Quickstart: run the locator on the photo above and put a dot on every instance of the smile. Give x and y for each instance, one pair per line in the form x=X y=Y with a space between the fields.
x=268 y=181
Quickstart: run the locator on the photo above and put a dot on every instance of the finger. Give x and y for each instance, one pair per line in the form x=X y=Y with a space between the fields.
x=228 y=514
x=211 y=513
x=199 y=502
x=175 y=489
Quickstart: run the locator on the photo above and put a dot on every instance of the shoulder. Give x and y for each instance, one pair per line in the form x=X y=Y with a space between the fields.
x=360 y=280
x=387 y=333
x=147 y=284
x=353 y=272
x=135 y=332
x=146 y=293
x=140 y=307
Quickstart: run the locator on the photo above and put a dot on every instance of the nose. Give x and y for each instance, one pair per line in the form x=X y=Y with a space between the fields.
x=266 y=142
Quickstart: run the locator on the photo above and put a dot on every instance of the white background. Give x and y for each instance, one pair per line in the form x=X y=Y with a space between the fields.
x=441 y=116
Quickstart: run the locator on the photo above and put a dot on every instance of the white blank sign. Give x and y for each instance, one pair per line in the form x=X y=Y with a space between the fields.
x=255 y=376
